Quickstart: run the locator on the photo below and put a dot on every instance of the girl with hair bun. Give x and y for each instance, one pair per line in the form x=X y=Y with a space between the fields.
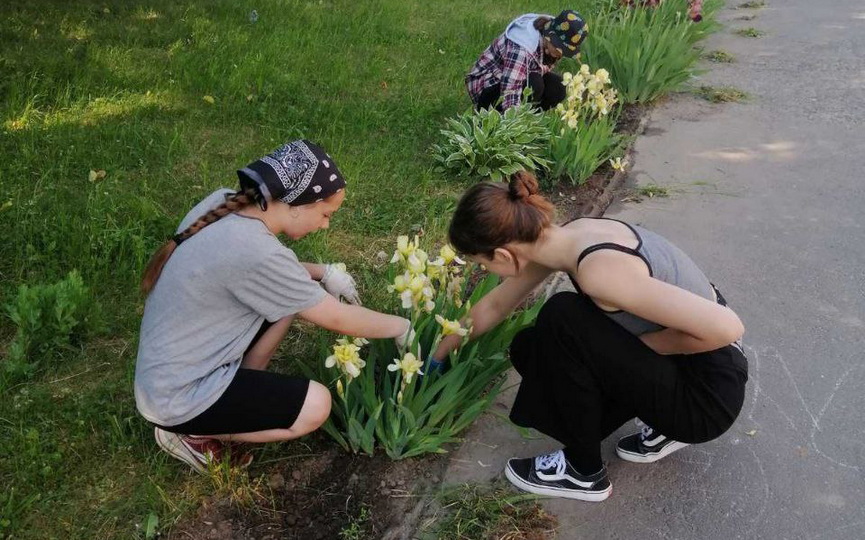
x=645 y=335
x=221 y=295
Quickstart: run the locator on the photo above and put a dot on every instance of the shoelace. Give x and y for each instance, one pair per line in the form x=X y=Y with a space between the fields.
x=556 y=459
x=645 y=431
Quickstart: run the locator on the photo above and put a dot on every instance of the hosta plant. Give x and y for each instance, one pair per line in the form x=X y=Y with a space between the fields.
x=383 y=397
x=492 y=145
x=583 y=125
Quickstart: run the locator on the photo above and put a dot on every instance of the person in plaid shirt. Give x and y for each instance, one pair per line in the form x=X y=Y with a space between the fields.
x=524 y=56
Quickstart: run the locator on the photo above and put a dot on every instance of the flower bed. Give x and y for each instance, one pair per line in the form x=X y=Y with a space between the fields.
x=384 y=397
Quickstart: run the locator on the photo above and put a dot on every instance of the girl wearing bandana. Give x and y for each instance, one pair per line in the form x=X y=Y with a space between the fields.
x=646 y=335
x=221 y=295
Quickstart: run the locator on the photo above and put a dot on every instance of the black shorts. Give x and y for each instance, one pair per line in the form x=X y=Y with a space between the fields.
x=254 y=401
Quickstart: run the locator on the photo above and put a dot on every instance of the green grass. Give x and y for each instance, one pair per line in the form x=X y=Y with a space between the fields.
x=722 y=94
x=750 y=32
x=472 y=511
x=120 y=86
x=720 y=57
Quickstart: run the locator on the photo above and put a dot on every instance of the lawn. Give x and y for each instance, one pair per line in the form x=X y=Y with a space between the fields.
x=169 y=99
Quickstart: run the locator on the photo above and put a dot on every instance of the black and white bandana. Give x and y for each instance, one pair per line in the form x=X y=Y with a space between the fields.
x=296 y=173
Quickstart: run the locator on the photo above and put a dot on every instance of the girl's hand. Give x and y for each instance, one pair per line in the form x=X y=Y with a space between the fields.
x=339 y=283
x=404 y=340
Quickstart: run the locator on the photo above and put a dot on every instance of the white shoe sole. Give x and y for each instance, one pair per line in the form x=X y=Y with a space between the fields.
x=650 y=457
x=171 y=443
x=594 y=496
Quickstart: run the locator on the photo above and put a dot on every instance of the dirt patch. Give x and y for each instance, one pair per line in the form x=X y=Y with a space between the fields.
x=326 y=495
x=574 y=201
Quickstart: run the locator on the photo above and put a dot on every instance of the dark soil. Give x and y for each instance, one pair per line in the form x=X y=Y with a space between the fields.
x=317 y=497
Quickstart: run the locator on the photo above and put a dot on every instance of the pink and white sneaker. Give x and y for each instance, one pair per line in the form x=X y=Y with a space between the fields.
x=199 y=452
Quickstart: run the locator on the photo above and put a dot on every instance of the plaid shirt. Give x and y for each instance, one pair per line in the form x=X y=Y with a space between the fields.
x=506 y=63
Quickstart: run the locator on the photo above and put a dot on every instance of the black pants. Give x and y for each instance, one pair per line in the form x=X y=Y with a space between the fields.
x=547 y=92
x=584 y=376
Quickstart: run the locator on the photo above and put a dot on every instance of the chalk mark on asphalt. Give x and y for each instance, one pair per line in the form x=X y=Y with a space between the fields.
x=815 y=427
x=766 y=493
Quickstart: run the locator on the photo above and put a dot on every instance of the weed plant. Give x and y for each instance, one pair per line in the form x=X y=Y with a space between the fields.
x=720 y=57
x=723 y=94
x=50 y=320
x=750 y=32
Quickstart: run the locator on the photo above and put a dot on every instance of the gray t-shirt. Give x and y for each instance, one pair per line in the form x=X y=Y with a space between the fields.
x=215 y=291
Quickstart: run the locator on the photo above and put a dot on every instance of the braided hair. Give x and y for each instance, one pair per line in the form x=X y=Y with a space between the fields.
x=233 y=203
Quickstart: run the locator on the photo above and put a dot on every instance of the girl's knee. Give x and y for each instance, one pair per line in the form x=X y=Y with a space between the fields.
x=316 y=406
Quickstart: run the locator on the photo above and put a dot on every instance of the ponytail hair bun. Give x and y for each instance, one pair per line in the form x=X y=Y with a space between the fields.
x=523 y=185
x=492 y=214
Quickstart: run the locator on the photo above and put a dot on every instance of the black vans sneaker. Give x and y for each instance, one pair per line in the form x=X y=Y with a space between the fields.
x=551 y=474
x=647 y=446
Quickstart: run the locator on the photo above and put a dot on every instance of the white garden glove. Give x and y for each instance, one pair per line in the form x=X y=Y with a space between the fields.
x=339 y=284
x=404 y=340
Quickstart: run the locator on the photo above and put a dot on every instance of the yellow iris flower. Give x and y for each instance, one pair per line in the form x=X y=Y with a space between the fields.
x=618 y=164
x=409 y=365
x=451 y=327
x=345 y=357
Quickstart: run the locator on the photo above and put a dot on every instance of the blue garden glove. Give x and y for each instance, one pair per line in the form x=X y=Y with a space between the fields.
x=432 y=365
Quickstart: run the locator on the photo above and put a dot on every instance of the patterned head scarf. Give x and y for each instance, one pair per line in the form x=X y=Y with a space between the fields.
x=567 y=32
x=296 y=173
